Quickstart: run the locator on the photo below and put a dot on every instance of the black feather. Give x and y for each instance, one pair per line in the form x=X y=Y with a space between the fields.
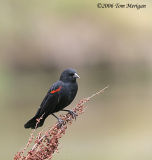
x=60 y=95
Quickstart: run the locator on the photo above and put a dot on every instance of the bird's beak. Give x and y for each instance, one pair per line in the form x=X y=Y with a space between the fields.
x=76 y=75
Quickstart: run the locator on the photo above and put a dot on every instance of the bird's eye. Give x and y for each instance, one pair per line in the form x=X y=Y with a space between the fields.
x=71 y=74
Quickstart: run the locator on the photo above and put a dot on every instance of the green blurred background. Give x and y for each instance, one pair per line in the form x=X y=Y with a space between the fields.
x=40 y=38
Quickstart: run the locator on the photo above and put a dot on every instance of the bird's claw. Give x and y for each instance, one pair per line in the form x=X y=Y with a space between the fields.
x=73 y=114
x=60 y=122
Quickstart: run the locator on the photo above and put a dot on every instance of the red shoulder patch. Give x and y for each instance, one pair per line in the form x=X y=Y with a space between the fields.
x=56 y=90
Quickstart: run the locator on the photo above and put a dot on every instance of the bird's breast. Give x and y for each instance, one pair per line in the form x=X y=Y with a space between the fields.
x=69 y=93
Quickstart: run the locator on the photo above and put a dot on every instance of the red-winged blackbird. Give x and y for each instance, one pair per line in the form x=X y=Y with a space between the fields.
x=60 y=95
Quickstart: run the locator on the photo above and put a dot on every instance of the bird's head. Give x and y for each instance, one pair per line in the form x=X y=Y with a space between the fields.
x=69 y=75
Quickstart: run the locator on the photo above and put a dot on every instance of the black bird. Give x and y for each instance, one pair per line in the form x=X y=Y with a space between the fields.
x=60 y=95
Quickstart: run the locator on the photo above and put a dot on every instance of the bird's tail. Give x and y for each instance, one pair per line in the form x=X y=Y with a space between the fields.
x=32 y=122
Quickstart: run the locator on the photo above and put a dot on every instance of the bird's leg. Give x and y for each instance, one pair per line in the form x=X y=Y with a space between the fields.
x=60 y=121
x=73 y=114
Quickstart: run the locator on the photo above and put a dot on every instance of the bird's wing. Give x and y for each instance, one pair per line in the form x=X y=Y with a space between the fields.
x=51 y=100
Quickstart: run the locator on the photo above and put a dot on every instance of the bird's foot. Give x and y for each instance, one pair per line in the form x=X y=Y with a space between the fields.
x=73 y=114
x=60 y=122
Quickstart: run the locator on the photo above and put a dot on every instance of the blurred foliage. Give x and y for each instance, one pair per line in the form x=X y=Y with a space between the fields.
x=35 y=34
